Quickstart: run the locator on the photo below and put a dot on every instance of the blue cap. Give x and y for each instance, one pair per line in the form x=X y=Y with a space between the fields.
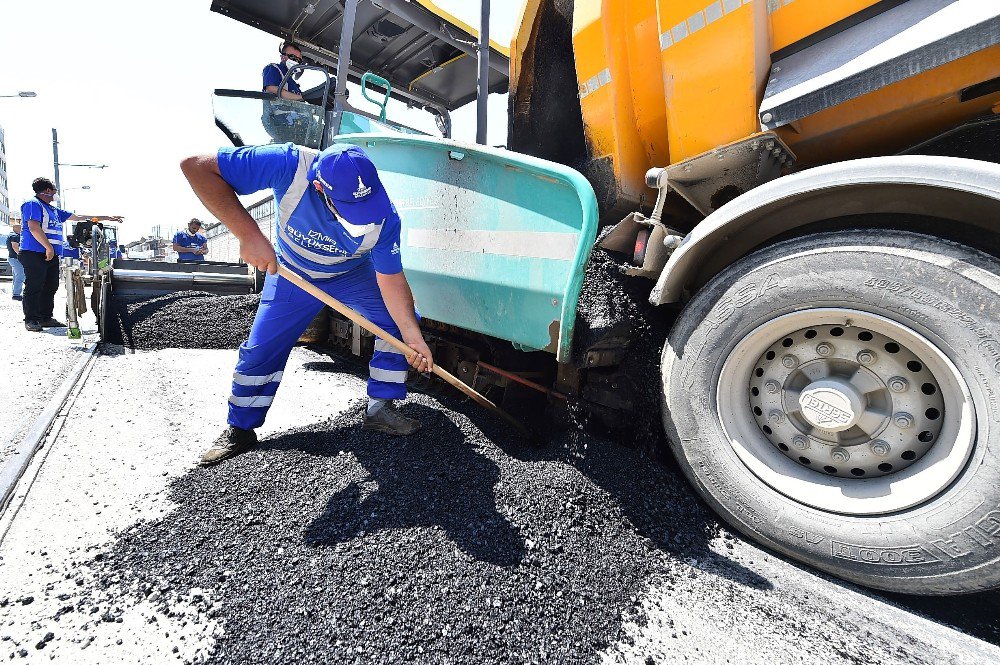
x=351 y=181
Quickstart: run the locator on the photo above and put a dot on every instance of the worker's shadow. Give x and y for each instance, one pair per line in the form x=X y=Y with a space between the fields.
x=435 y=479
x=652 y=493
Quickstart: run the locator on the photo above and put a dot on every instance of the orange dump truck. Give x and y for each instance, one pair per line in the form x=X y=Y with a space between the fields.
x=813 y=188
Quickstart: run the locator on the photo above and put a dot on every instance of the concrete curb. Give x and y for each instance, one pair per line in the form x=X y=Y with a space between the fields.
x=33 y=438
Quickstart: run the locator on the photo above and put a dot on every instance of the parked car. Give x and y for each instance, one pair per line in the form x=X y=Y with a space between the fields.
x=5 y=269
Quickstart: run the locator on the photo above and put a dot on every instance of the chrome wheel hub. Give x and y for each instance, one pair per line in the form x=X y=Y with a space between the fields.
x=846 y=411
x=835 y=388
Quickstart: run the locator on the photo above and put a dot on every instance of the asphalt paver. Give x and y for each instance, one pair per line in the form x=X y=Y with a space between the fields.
x=183 y=320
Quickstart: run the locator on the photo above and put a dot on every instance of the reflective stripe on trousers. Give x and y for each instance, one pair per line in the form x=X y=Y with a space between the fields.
x=285 y=312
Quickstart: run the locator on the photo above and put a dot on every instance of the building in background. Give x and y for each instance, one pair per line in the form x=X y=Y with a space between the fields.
x=150 y=249
x=4 y=194
x=223 y=245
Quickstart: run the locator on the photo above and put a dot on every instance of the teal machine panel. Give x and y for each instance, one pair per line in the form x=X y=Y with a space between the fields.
x=493 y=241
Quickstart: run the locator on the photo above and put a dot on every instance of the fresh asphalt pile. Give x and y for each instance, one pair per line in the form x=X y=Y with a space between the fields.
x=332 y=544
x=613 y=304
x=183 y=320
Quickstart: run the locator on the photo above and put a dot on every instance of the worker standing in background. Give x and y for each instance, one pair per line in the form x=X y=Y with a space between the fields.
x=191 y=245
x=337 y=228
x=13 y=249
x=41 y=242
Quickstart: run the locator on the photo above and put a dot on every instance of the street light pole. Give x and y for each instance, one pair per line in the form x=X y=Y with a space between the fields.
x=62 y=195
x=56 y=163
x=55 y=156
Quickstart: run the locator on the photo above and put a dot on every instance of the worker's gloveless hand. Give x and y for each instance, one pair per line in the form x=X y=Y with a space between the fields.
x=259 y=253
x=422 y=361
x=49 y=253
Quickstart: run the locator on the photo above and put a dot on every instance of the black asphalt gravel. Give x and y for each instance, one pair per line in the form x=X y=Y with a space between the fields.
x=183 y=320
x=613 y=305
x=332 y=544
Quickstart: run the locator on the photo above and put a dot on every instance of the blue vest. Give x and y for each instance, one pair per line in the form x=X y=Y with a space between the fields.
x=52 y=227
x=309 y=241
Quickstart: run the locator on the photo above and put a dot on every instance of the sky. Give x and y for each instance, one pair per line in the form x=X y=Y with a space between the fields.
x=129 y=84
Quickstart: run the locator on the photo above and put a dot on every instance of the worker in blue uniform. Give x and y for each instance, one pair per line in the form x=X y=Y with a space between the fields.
x=275 y=72
x=41 y=244
x=191 y=245
x=282 y=121
x=337 y=228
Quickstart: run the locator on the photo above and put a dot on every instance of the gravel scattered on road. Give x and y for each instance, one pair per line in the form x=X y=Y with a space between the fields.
x=454 y=545
x=331 y=544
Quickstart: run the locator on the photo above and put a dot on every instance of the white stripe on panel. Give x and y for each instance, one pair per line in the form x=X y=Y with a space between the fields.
x=713 y=12
x=526 y=244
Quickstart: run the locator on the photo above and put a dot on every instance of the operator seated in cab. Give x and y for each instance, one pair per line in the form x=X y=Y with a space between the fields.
x=284 y=118
x=336 y=228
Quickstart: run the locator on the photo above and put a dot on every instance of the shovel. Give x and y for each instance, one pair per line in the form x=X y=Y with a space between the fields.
x=335 y=304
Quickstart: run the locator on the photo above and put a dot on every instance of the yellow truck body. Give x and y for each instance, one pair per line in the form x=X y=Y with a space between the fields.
x=664 y=81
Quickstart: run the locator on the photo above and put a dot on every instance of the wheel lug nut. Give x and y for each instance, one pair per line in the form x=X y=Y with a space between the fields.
x=903 y=420
x=898 y=384
x=776 y=417
x=772 y=387
x=880 y=447
x=866 y=357
x=790 y=361
x=800 y=442
x=824 y=349
x=840 y=455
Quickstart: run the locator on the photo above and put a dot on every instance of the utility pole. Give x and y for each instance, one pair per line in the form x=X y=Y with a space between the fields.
x=483 y=54
x=55 y=157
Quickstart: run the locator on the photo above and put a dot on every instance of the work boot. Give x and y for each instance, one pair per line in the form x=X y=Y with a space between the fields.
x=52 y=323
x=232 y=442
x=17 y=298
x=33 y=326
x=387 y=419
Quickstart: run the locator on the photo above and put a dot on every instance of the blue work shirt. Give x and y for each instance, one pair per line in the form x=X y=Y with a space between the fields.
x=196 y=241
x=37 y=210
x=273 y=74
x=311 y=227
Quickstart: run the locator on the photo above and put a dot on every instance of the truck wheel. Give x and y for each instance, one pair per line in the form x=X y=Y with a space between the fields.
x=837 y=398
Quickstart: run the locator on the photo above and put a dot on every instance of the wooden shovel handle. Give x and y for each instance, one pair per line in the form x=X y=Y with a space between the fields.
x=409 y=353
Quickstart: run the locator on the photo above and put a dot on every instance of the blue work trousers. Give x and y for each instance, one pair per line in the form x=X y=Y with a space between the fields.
x=285 y=312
